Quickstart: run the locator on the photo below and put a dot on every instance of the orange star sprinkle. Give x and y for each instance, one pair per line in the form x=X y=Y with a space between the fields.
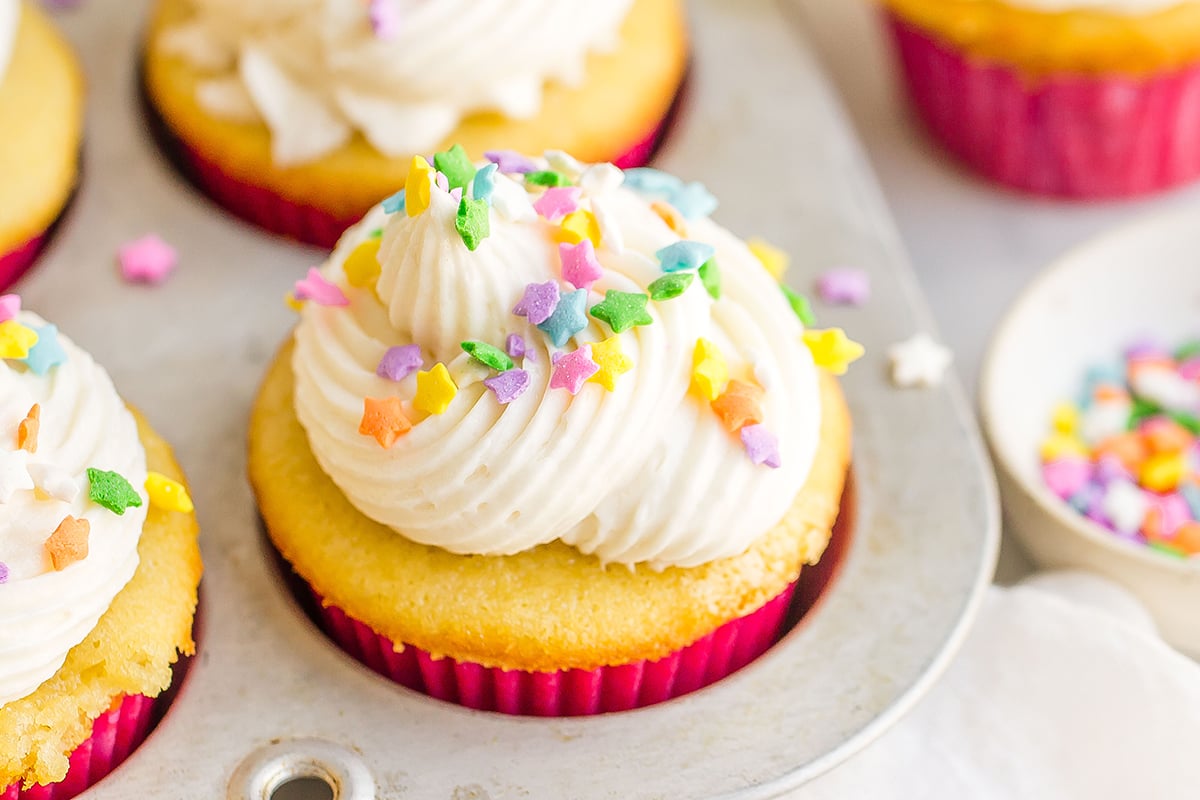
x=384 y=419
x=669 y=215
x=740 y=405
x=69 y=542
x=27 y=431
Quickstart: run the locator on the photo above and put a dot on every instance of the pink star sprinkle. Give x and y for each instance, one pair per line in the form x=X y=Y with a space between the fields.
x=761 y=445
x=846 y=287
x=572 y=370
x=557 y=202
x=579 y=265
x=385 y=19
x=538 y=302
x=314 y=287
x=10 y=306
x=147 y=260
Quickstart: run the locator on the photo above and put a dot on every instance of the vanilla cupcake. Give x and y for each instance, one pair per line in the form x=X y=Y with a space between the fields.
x=98 y=566
x=299 y=115
x=550 y=441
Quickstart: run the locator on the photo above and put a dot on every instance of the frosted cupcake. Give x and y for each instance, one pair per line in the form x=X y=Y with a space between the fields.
x=301 y=115
x=1077 y=98
x=550 y=441
x=98 y=566
x=41 y=105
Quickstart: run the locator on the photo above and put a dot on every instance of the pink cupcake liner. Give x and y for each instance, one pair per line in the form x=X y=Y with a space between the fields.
x=15 y=263
x=564 y=693
x=115 y=734
x=1074 y=136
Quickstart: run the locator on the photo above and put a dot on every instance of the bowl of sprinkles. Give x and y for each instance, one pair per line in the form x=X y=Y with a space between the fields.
x=1090 y=399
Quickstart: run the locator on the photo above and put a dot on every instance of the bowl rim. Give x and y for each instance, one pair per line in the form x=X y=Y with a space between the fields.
x=989 y=382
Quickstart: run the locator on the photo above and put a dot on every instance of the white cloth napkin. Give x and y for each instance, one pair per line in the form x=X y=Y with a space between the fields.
x=1062 y=691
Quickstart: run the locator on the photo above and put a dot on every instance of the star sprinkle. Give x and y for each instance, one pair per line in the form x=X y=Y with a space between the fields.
x=511 y=201
x=384 y=420
x=28 y=428
x=16 y=339
x=538 y=303
x=68 y=543
x=515 y=346
x=472 y=222
x=831 y=350
x=435 y=390
x=572 y=370
x=651 y=181
x=799 y=305
x=761 y=445
x=418 y=187
x=510 y=162
x=579 y=265
x=488 y=355
x=710 y=373
x=3 y=572
x=484 y=183
x=316 y=288
x=362 y=265
x=400 y=362
x=673 y=219
x=622 y=310
x=568 y=319
x=456 y=165
x=611 y=362
x=556 y=203
x=919 y=361
x=10 y=306
x=147 y=260
x=395 y=203
x=54 y=481
x=563 y=162
x=601 y=179
x=508 y=385
x=693 y=200
x=849 y=287
x=546 y=177
x=168 y=494
x=739 y=405
x=384 y=18
x=46 y=352
x=670 y=285
x=774 y=260
x=684 y=254
x=112 y=491
x=710 y=276
x=14 y=473
x=578 y=226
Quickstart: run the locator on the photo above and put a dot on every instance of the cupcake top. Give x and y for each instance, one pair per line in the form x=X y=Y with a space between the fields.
x=71 y=498
x=507 y=354
x=402 y=73
x=10 y=15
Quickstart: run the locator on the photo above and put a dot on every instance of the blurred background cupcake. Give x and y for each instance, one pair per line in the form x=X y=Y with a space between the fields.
x=1084 y=99
x=99 y=566
x=41 y=123
x=300 y=115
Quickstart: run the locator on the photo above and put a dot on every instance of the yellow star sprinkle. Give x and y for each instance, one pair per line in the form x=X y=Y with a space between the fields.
x=710 y=373
x=832 y=350
x=418 y=186
x=290 y=300
x=774 y=259
x=1065 y=418
x=16 y=339
x=1057 y=445
x=167 y=494
x=362 y=265
x=580 y=225
x=435 y=390
x=613 y=363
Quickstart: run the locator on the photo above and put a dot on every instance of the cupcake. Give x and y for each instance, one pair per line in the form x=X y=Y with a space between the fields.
x=301 y=116
x=99 y=566
x=1084 y=99
x=42 y=88
x=551 y=441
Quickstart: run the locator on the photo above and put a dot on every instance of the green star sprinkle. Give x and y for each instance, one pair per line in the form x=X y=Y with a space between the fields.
x=622 y=310
x=456 y=166
x=710 y=276
x=670 y=285
x=800 y=305
x=546 y=177
x=472 y=222
x=488 y=355
x=111 y=490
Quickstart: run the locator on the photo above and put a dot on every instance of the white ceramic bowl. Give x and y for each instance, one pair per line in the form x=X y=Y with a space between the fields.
x=1143 y=279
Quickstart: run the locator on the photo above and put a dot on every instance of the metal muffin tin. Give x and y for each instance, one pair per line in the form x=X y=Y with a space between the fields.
x=269 y=698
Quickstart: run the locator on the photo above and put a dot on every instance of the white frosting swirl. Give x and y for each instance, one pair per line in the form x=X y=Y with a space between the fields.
x=314 y=71
x=10 y=18
x=84 y=423
x=645 y=473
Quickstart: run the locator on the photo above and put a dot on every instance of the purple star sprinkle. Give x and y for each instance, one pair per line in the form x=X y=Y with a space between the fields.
x=1144 y=348
x=400 y=362
x=3 y=572
x=385 y=19
x=761 y=445
x=848 y=287
x=572 y=370
x=510 y=161
x=515 y=345
x=508 y=385
x=579 y=265
x=538 y=302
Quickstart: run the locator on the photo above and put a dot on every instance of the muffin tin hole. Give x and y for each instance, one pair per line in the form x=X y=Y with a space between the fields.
x=302 y=769
x=304 y=788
